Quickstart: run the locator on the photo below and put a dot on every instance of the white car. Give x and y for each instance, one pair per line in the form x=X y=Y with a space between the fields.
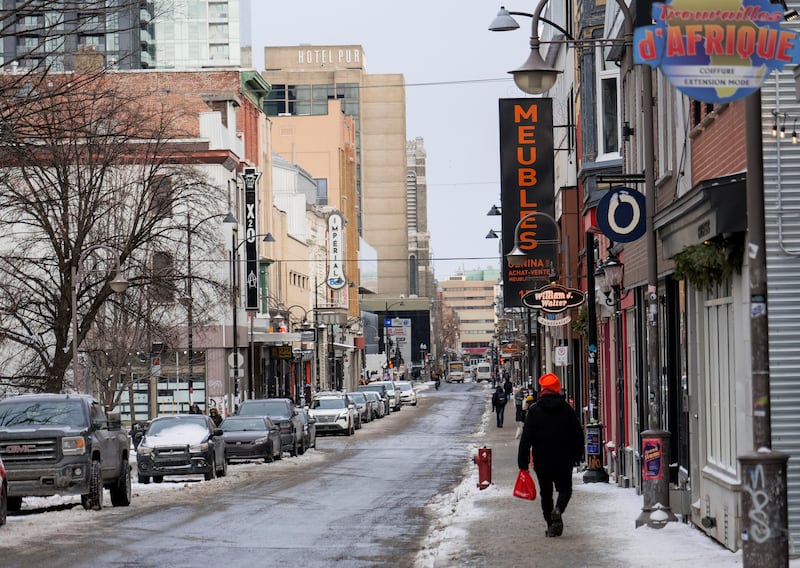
x=333 y=414
x=408 y=395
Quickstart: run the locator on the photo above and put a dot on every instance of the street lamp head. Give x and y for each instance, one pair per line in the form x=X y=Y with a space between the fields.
x=494 y=211
x=119 y=284
x=601 y=280
x=230 y=219
x=268 y=238
x=614 y=271
x=503 y=22
x=516 y=257
x=535 y=77
x=492 y=234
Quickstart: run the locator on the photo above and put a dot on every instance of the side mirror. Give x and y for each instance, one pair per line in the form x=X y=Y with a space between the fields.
x=217 y=432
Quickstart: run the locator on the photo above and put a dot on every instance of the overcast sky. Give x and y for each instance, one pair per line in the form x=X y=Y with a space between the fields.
x=455 y=72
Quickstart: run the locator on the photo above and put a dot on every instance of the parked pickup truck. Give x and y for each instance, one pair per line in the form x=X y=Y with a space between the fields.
x=63 y=444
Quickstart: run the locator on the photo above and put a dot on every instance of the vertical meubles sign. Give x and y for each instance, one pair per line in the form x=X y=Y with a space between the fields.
x=526 y=186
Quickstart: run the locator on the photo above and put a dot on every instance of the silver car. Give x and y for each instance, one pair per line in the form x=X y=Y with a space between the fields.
x=377 y=404
x=408 y=395
x=392 y=393
x=363 y=405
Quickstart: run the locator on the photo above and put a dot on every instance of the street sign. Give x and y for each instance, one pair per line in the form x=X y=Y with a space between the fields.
x=561 y=356
x=621 y=215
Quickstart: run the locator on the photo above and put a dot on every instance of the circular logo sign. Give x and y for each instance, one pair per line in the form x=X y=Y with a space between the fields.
x=621 y=215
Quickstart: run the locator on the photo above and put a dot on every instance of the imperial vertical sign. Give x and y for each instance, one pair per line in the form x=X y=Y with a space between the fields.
x=526 y=186
x=336 y=279
x=250 y=178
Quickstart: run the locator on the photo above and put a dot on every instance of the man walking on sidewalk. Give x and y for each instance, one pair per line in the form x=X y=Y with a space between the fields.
x=552 y=436
x=499 y=404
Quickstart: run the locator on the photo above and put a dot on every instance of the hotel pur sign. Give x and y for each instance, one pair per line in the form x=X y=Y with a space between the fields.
x=715 y=51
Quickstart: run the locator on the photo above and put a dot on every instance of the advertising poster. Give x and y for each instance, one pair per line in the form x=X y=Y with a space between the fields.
x=652 y=468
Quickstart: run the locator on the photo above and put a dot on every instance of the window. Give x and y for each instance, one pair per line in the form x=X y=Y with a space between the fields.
x=163 y=195
x=666 y=126
x=608 y=109
x=322 y=191
x=162 y=288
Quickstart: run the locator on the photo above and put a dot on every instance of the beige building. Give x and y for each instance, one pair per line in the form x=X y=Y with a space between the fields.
x=471 y=296
x=304 y=79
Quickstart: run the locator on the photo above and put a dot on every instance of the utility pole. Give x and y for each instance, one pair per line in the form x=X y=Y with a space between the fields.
x=765 y=522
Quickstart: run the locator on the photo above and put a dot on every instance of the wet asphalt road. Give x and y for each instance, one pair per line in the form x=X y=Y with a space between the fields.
x=362 y=504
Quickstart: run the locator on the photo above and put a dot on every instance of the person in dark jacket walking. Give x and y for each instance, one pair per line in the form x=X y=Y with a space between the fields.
x=499 y=400
x=553 y=438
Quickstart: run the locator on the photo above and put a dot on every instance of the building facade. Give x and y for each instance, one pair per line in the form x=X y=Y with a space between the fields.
x=304 y=79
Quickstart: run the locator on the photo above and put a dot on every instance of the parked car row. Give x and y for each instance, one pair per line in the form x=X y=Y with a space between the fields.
x=192 y=444
x=340 y=412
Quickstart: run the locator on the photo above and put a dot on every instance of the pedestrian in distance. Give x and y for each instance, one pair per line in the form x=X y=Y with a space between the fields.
x=213 y=413
x=519 y=398
x=499 y=400
x=508 y=387
x=195 y=409
x=553 y=438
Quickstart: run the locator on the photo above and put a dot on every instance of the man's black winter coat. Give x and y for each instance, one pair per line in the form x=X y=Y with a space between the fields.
x=553 y=432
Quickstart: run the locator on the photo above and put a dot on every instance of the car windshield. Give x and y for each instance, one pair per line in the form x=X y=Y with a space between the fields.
x=327 y=403
x=358 y=397
x=404 y=386
x=271 y=408
x=21 y=414
x=375 y=388
x=176 y=430
x=235 y=424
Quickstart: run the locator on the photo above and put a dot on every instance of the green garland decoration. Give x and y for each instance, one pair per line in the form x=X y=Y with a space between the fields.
x=710 y=263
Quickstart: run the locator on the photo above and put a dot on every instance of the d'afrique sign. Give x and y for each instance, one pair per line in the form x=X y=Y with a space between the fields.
x=716 y=51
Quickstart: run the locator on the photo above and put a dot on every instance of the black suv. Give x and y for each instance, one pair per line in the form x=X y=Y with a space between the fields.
x=283 y=413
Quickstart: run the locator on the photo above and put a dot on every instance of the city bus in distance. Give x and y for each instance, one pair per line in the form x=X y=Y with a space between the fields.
x=455 y=372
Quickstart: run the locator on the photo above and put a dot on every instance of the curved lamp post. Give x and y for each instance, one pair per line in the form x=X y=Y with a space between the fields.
x=609 y=277
x=516 y=255
x=118 y=285
x=230 y=218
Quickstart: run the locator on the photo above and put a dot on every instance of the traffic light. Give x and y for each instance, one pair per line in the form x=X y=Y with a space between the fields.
x=391 y=364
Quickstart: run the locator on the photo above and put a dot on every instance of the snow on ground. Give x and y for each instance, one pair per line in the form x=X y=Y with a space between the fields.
x=63 y=510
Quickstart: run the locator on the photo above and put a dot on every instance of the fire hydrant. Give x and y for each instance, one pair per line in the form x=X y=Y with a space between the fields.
x=483 y=460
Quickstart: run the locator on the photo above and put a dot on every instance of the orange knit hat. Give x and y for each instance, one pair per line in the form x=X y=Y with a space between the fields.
x=550 y=382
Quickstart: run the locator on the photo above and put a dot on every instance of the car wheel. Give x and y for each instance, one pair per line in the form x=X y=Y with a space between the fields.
x=279 y=455
x=3 y=504
x=144 y=479
x=14 y=504
x=293 y=449
x=121 y=491
x=211 y=473
x=94 y=499
x=158 y=478
x=269 y=455
x=302 y=447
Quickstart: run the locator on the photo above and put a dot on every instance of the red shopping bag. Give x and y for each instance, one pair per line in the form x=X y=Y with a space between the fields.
x=525 y=488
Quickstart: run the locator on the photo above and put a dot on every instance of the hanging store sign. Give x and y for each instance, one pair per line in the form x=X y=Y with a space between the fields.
x=714 y=53
x=250 y=178
x=526 y=186
x=621 y=215
x=336 y=279
x=553 y=298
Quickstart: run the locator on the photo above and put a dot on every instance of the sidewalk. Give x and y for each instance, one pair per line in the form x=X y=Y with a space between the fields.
x=493 y=528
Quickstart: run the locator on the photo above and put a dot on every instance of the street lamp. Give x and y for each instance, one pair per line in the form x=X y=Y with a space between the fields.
x=230 y=218
x=609 y=277
x=516 y=255
x=118 y=285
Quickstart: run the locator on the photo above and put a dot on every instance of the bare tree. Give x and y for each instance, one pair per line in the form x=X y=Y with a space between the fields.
x=85 y=171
